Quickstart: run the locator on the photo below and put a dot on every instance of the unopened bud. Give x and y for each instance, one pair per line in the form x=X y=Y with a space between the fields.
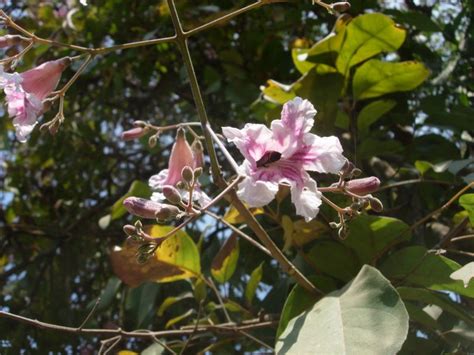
x=363 y=186
x=142 y=258
x=197 y=172
x=187 y=174
x=172 y=194
x=142 y=207
x=180 y=185
x=138 y=225
x=334 y=225
x=198 y=152
x=342 y=232
x=133 y=133
x=129 y=229
x=356 y=172
x=168 y=212
x=376 y=204
x=347 y=168
x=152 y=141
x=342 y=6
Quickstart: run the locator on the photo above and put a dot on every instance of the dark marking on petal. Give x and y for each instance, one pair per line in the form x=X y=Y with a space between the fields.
x=268 y=158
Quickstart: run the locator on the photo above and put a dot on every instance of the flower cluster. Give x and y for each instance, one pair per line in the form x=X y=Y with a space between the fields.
x=283 y=154
x=26 y=91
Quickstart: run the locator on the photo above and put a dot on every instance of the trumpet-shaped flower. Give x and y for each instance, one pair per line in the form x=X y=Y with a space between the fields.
x=182 y=155
x=283 y=155
x=26 y=91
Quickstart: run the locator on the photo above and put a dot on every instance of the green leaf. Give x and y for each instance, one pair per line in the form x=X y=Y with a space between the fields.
x=225 y=261
x=169 y=301
x=333 y=259
x=414 y=265
x=137 y=189
x=371 y=113
x=367 y=316
x=177 y=258
x=432 y=297
x=465 y=274
x=179 y=318
x=369 y=236
x=255 y=278
x=299 y=300
x=467 y=202
x=325 y=51
x=371 y=147
x=375 y=78
x=368 y=35
x=109 y=293
x=421 y=317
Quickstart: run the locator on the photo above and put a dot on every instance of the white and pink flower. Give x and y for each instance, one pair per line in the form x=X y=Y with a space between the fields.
x=26 y=91
x=283 y=155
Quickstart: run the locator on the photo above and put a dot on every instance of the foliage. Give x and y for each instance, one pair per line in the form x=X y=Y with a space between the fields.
x=393 y=83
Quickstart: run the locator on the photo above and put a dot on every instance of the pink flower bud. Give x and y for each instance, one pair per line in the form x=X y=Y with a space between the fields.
x=198 y=152
x=172 y=194
x=43 y=79
x=142 y=207
x=181 y=156
x=133 y=133
x=363 y=186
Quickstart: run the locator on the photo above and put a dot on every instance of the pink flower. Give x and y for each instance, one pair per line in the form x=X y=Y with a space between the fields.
x=26 y=91
x=283 y=155
x=181 y=155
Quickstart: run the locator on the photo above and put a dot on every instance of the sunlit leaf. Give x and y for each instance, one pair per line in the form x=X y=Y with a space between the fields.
x=179 y=318
x=255 y=278
x=368 y=35
x=369 y=236
x=225 y=261
x=300 y=233
x=465 y=274
x=467 y=202
x=233 y=216
x=367 y=316
x=437 y=298
x=375 y=78
x=175 y=259
x=371 y=113
x=415 y=265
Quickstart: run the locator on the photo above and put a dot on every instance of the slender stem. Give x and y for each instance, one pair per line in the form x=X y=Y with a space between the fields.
x=225 y=18
x=224 y=150
x=413 y=181
x=277 y=254
x=90 y=314
x=463 y=237
x=239 y=232
x=460 y=252
x=19 y=55
x=222 y=193
x=225 y=327
x=76 y=75
x=212 y=285
x=183 y=47
x=332 y=204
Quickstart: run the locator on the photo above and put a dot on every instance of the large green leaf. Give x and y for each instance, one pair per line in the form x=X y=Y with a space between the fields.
x=415 y=265
x=371 y=235
x=432 y=297
x=371 y=113
x=177 y=258
x=368 y=35
x=333 y=259
x=375 y=78
x=300 y=300
x=225 y=261
x=367 y=316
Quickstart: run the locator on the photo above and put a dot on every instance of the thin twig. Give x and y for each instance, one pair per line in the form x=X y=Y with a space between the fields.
x=239 y=232
x=194 y=330
x=90 y=314
x=212 y=285
x=224 y=150
x=463 y=237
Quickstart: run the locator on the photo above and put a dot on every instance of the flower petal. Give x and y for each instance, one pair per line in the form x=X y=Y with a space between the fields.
x=252 y=141
x=297 y=118
x=321 y=154
x=306 y=199
x=156 y=182
x=257 y=193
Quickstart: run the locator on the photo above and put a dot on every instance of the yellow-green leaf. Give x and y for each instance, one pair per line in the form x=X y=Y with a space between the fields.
x=368 y=35
x=177 y=258
x=137 y=189
x=233 y=216
x=178 y=319
x=225 y=261
x=300 y=233
x=375 y=78
x=255 y=278
x=169 y=301
x=371 y=113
